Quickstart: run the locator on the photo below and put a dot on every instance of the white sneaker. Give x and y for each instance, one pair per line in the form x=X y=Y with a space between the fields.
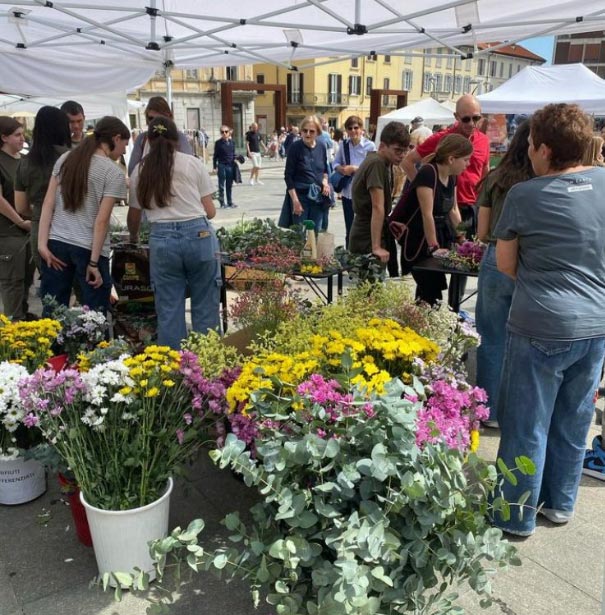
x=557 y=516
x=259 y=182
x=251 y=182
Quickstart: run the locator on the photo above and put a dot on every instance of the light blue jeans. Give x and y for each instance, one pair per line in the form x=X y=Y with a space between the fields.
x=181 y=254
x=545 y=409
x=494 y=296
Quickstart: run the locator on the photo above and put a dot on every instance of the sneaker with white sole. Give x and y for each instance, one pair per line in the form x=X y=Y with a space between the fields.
x=557 y=516
x=251 y=182
x=594 y=464
x=260 y=183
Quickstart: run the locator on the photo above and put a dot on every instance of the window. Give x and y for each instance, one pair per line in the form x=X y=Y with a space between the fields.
x=369 y=85
x=450 y=62
x=457 y=84
x=407 y=58
x=260 y=79
x=439 y=60
x=231 y=73
x=492 y=68
x=510 y=70
x=354 y=85
x=406 y=80
x=294 y=88
x=427 y=82
x=481 y=67
x=191 y=74
x=387 y=59
x=518 y=67
x=193 y=119
x=467 y=85
x=386 y=84
x=354 y=62
x=501 y=69
x=372 y=57
x=334 y=89
x=447 y=86
x=438 y=83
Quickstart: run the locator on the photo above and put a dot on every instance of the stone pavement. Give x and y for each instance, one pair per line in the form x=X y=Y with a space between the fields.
x=45 y=571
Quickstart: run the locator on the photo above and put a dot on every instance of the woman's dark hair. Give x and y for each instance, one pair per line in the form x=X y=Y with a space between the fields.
x=515 y=166
x=75 y=168
x=155 y=170
x=8 y=125
x=159 y=105
x=451 y=145
x=51 y=129
x=566 y=130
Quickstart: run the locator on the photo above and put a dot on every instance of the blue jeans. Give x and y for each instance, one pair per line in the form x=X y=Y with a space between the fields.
x=312 y=210
x=225 y=183
x=181 y=254
x=494 y=296
x=59 y=284
x=349 y=214
x=545 y=409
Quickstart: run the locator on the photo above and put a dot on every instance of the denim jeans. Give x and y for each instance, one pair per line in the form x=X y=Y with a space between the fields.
x=59 y=284
x=312 y=210
x=494 y=296
x=181 y=254
x=225 y=183
x=545 y=408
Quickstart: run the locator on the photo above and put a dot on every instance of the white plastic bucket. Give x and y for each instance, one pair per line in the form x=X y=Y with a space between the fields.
x=120 y=537
x=21 y=480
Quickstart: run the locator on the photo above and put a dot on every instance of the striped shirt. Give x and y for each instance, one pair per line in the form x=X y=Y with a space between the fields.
x=105 y=179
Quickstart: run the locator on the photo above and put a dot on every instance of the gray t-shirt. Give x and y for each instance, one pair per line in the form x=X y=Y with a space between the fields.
x=105 y=178
x=559 y=222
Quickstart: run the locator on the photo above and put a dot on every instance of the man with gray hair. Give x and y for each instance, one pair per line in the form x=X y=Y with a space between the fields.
x=419 y=132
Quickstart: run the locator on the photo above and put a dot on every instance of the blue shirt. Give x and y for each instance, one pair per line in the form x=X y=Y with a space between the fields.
x=224 y=152
x=305 y=165
x=559 y=222
x=357 y=154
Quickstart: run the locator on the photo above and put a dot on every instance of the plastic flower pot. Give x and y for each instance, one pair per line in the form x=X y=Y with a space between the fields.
x=58 y=362
x=21 y=480
x=120 y=537
x=71 y=490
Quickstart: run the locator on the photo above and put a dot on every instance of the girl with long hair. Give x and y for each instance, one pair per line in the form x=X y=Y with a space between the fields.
x=495 y=290
x=432 y=194
x=175 y=191
x=51 y=138
x=16 y=270
x=72 y=242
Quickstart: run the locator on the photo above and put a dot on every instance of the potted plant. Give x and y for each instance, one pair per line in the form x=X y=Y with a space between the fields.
x=125 y=428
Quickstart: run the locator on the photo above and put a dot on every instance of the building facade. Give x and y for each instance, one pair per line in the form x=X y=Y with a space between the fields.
x=587 y=48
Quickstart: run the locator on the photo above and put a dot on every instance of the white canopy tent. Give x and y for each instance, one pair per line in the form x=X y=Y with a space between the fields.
x=536 y=86
x=431 y=111
x=52 y=48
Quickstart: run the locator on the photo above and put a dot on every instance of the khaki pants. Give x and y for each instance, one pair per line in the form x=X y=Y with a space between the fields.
x=16 y=275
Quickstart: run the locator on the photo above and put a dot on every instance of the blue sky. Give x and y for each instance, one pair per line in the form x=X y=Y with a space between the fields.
x=542 y=45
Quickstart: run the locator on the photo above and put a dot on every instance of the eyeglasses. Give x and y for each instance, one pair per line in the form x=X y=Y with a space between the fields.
x=467 y=118
x=225 y=132
x=310 y=131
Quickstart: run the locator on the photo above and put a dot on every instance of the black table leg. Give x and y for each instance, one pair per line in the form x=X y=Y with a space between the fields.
x=454 y=298
x=224 y=310
x=329 y=289
x=339 y=282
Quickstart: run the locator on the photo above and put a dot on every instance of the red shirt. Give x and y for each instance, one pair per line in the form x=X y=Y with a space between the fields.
x=466 y=188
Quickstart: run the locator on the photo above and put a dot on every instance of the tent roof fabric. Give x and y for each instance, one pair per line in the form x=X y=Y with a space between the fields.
x=63 y=46
x=431 y=111
x=536 y=86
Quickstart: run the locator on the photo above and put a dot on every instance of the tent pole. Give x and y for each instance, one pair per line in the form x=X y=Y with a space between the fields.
x=169 y=85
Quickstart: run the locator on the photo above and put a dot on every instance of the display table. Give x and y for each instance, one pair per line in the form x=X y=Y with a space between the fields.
x=436 y=265
x=312 y=280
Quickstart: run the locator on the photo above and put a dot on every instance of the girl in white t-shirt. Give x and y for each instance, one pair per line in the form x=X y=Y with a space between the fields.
x=175 y=191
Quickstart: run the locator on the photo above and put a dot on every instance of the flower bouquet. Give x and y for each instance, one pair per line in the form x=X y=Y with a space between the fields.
x=465 y=256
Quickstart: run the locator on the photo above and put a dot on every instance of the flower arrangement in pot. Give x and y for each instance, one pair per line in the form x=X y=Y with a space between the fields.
x=125 y=428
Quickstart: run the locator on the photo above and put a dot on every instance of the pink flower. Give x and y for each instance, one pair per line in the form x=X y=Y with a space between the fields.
x=180 y=435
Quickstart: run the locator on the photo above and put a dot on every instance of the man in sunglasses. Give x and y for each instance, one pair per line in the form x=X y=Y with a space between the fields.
x=222 y=162
x=468 y=116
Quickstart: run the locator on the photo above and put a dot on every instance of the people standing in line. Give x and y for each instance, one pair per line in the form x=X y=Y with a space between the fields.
x=175 y=191
x=494 y=289
x=306 y=175
x=76 y=117
x=550 y=241
x=51 y=139
x=156 y=107
x=419 y=133
x=357 y=147
x=429 y=211
x=73 y=242
x=253 y=147
x=223 y=160
x=16 y=265
x=371 y=193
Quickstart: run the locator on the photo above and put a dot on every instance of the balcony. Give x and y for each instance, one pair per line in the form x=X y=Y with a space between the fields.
x=332 y=99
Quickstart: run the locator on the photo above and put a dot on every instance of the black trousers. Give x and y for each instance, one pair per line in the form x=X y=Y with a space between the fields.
x=469 y=219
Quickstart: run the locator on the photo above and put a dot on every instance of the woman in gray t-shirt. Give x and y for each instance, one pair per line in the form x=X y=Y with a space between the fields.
x=550 y=240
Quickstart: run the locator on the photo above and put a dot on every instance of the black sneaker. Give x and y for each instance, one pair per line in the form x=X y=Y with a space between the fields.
x=233 y=205
x=594 y=466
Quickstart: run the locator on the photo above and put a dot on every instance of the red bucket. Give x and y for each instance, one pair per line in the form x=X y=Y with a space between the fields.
x=72 y=491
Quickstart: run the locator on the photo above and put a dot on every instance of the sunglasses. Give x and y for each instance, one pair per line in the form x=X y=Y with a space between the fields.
x=225 y=132
x=467 y=118
x=354 y=128
x=310 y=131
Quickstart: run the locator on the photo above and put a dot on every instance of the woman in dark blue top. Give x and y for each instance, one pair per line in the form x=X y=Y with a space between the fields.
x=306 y=175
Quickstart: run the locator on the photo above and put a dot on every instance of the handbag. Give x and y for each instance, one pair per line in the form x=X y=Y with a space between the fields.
x=338 y=180
x=401 y=218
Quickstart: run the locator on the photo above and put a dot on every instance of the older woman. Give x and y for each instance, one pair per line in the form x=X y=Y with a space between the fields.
x=550 y=240
x=306 y=175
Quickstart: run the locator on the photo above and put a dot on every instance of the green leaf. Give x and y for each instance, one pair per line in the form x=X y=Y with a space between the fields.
x=123 y=578
x=232 y=521
x=525 y=465
x=220 y=561
x=508 y=475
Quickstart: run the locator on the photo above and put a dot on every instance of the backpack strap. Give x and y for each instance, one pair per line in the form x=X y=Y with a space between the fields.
x=347 y=152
